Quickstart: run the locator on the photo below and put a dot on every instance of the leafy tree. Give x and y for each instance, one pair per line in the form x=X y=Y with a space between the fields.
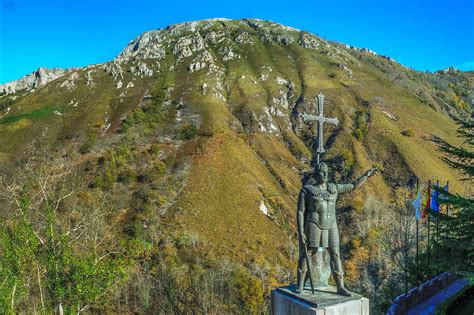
x=42 y=266
x=455 y=248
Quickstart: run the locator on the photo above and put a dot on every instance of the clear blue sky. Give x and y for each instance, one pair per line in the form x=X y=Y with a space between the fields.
x=423 y=34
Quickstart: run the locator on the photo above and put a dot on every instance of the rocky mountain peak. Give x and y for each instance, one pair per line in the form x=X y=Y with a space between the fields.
x=185 y=39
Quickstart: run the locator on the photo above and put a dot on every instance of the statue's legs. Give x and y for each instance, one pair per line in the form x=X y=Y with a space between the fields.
x=303 y=268
x=336 y=264
x=301 y=272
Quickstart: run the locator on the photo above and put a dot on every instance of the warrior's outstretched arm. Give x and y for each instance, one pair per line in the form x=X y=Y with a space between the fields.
x=300 y=214
x=342 y=188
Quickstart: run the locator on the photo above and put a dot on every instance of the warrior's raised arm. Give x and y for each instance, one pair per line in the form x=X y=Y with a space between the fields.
x=343 y=188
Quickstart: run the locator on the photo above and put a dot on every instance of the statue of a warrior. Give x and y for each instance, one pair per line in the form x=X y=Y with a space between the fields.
x=317 y=226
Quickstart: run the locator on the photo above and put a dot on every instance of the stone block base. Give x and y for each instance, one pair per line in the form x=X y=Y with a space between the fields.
x=325 y=301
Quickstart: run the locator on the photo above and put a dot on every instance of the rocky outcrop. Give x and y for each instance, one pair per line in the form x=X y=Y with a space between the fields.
x=114 y=69
x=187 y=45
x=34 y=80
x=244 y=38
x=308 y=41
x=141 y=70
x=146 y=46
x=203 y=60
x=70 y=82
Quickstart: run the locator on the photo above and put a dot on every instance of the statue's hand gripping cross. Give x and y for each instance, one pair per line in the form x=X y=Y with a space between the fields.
x=321 y=120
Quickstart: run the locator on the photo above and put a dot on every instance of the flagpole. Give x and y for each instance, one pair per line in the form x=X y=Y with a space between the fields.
x=447 y=215
x=417 y=277
x=429 y=221
x=437 y=228
x=447 y=205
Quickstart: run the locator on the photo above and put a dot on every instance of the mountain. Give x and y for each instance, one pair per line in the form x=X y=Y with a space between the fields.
x=192 y=140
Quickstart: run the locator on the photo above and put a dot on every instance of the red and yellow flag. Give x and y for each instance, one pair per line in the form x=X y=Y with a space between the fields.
x=425 y=213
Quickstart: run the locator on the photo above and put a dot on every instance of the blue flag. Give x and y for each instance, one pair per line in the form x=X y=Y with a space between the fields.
x=417 y=205
x=443 y=196
x=434 y=200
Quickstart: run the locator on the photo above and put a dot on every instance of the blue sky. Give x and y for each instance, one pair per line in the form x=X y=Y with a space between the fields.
x=423 y=34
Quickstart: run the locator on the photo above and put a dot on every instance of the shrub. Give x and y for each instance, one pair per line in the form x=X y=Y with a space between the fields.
x=348 y=158
x=127 y=175
x=159 y=167
x=155 y=149
x=188 y=132
x=361 y=126
x=408 y=132
x=88 y=144
x=248 y=290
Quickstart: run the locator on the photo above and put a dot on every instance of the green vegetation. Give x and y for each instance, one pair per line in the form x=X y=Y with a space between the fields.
x=408 y=132
x=42 y=265
x=455 y=251
x=361 y=126
x=188 y=132
x=36 y=114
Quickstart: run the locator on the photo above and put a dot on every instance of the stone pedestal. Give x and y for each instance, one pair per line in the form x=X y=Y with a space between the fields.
x=325 y=301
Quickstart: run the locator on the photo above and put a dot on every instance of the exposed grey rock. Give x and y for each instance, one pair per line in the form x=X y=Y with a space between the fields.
x=114 y=69
x=146 y=46
x=69 y=83
x=194 y=26
x=141 y=70
x=228 y=54
x=244 y=38
x=34 y=80
x=345 y=69
x=204 y=88
x=119 y=84
x=195 y=66
x=308 y=41
x=201 y=61
x=329 y=53
x=129 y=85
x=284 y=39
x=291 y=90
x=281 y=81
x=215 y=37
x=265 y=38
x=185 y=46
x=90 y=81
x=366 y=50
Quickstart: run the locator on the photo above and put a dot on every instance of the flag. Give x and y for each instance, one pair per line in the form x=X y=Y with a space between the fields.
x=442 y=196
x=434 y=202
x=417 y=205
x=426 y=207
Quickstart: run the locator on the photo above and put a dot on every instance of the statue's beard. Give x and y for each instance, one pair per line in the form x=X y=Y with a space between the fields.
x=323 y=179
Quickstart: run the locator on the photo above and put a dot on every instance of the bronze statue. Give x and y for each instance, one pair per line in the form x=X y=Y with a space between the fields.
x=317 y=226
x=316 y=215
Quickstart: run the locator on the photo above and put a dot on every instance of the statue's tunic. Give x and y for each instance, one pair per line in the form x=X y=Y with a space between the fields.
x=319 y=208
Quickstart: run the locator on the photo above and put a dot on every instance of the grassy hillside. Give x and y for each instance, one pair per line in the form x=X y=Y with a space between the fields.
x=192 y=141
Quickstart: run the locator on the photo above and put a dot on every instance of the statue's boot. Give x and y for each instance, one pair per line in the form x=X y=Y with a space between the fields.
x=341 y=290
